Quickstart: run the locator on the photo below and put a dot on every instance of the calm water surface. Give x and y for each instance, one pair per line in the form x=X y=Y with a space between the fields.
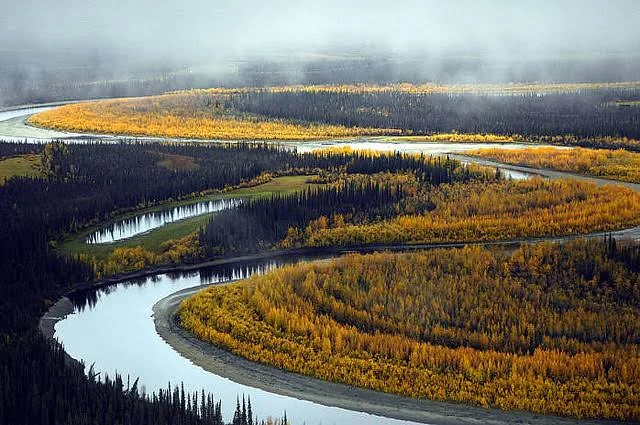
x=113 y=329
x=144 y=223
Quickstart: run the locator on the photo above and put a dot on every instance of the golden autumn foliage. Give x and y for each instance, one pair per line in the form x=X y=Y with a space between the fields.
x=126 y=259
x=481 y=211
x=549 y=329
x=130 y=259
x=190 y=114
x=611 y=164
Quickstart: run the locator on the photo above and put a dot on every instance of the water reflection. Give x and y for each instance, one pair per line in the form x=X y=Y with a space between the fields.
x=205 y=276
x=515 y=175
x=144 y=223
x=112 y=327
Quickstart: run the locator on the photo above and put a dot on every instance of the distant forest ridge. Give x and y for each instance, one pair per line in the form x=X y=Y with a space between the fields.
x=56 y=76
x=581 y=114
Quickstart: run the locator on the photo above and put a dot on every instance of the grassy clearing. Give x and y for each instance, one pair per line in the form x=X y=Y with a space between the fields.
x=153 y=240
x=178 y=162
x=25 y=165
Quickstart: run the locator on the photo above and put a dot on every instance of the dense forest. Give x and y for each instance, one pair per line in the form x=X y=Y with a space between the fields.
x=490 y=212
x=9 y=149
x=462 y=206
x=376 y=187
x=392 y=199
x=98 y=176
x=292 y=199
x=81 y=184
x=583 y=114
x=549 y=328
x=187 y=115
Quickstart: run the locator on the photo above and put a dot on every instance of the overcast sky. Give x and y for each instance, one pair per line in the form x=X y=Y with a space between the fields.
x=202 y=29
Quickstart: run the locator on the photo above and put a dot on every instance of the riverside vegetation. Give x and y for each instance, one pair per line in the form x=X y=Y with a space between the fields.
x=186 y=115
x=550 y=328
x=391 y=199
x=80 y=186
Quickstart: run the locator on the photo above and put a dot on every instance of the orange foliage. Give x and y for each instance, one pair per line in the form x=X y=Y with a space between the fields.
x=126 y=259
x=550 y=329
x=494 y=211
x=192 y=114
x=617 y=165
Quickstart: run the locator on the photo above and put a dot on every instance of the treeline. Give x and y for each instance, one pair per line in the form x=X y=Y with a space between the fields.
x=585 y=115
x=428 y=170
x=182 y=115
x=259 y=224
x=377 y=187
x=590 y=115
x=9 y=149
x=439 y=205
x=38 y=387
x=490 y=211
x=551 y=328
x=87 y=183
x=104 y=178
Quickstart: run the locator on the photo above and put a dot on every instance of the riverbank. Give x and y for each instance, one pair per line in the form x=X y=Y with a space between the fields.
x=277 y=381
x=153 y=239
x=351 y=398
x=624 y=234
x=545 y=172
x=257 y=376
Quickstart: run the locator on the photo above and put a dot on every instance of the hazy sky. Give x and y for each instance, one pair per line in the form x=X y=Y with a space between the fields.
x=205 y=29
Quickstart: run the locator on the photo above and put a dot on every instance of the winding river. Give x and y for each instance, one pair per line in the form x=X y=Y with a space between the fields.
x=112 y=328
x=94 y=332
x=146 y=222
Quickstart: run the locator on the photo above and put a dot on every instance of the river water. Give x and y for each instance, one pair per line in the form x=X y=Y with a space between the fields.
x=143 y=223
x=113 y=329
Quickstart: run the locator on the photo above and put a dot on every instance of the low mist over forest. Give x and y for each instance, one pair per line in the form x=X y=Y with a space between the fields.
x=122 y=48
